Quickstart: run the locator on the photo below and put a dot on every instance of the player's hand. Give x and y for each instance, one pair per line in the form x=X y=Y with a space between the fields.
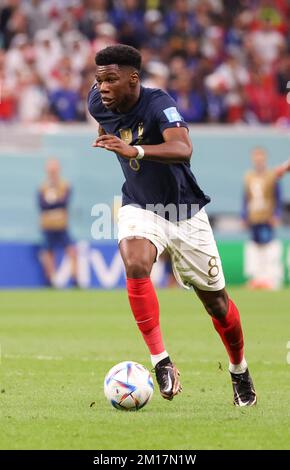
x=114 y=144
x=101 y=131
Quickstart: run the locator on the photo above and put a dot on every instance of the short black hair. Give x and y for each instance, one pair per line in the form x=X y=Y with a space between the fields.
x=120 y=54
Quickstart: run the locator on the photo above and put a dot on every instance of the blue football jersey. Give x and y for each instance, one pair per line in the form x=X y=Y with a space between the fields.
x=148 y=183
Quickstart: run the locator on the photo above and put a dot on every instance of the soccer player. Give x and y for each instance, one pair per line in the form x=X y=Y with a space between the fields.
x=163 y=207
x=53 y=200
x=261 y=214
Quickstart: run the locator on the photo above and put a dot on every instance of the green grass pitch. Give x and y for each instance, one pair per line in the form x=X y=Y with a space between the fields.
x=57 y=347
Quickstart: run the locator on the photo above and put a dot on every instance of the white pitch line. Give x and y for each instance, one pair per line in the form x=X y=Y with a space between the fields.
x=40 y=357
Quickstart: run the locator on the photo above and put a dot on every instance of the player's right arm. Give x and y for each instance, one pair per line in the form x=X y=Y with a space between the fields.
x=282 y=169
x=176 y=148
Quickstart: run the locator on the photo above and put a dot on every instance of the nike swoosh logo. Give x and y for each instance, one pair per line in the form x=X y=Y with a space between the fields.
x=241 y=403
x=210 y=283
x=168 y=389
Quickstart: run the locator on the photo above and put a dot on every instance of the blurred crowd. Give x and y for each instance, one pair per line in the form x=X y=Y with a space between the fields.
x=223 y=61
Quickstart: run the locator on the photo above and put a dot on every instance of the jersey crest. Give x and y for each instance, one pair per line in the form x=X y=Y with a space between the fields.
x=126 y=135
x=140 y=132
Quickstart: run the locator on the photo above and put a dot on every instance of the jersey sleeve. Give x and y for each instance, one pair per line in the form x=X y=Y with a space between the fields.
x=165 y=112
x=94 y=103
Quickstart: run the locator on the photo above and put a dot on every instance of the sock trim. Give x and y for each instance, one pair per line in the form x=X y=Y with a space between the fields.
x=155 y=358
x=238 y=368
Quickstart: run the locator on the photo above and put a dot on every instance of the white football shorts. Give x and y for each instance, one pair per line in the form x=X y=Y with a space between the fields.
x=190 y=243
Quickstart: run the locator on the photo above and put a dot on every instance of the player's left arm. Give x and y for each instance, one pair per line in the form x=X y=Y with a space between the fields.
x=282 y=169
x=176 y=148
x=278 y=209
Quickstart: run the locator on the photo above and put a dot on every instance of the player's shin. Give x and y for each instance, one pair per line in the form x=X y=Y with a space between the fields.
x=230 y=330
x=145 y=308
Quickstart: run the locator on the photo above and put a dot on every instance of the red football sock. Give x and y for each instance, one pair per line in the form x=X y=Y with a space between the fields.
x=230 y=330
x=145 y=307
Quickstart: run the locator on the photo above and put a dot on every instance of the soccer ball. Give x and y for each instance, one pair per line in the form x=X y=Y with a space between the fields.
x=128 y=386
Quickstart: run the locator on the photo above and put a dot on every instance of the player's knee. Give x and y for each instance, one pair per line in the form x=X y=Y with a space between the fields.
x=137 y=268
x=217 y=307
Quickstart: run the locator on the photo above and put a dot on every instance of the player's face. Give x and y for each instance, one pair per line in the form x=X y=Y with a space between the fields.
x=53 y=170
x=259 y=158
x=116 y=85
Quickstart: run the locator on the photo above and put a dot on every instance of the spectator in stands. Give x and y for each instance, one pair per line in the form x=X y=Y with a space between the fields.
x=231 y=77
x=48 y=52
x=106 y=35
x=154 y=30
x=262 y=100
x=267 y=44
x=64 y=100
x=283 y=89
x=32 y=102
x=128 y=19
x=190 y=37
x=157 y=75
x=190 y=103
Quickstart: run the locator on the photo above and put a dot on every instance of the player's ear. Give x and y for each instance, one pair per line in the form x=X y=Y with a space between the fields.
x=134 y=78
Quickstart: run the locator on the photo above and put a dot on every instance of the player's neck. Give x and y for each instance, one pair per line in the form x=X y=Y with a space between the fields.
x=260 y=171
x=53 y=182
x=130 y=102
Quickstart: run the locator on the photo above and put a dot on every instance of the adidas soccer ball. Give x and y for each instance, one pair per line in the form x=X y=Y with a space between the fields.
x=128 y=386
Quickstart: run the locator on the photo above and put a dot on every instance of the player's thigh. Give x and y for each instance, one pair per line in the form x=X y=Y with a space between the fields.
x=134 y=222
x=138 y=254
x=141 y=238
x=195 y=258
